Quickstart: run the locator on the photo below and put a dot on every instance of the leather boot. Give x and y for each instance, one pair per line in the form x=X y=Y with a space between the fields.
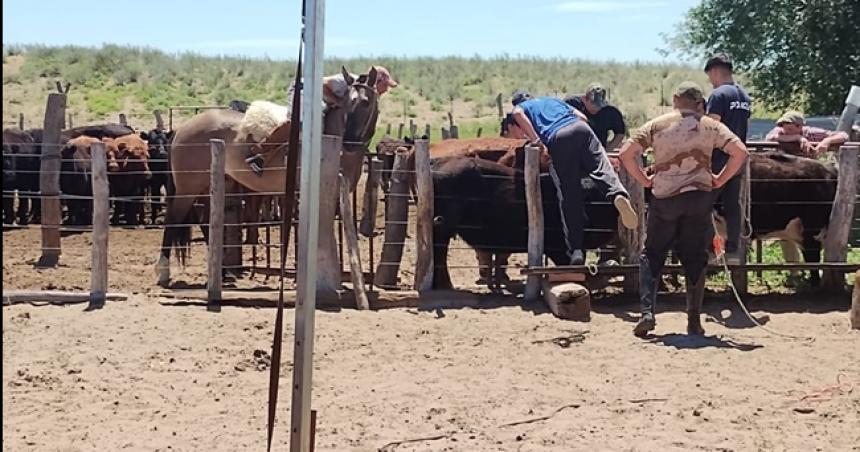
x=695 y=294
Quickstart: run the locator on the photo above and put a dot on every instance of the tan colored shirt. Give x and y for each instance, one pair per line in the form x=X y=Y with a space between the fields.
x=682 y=143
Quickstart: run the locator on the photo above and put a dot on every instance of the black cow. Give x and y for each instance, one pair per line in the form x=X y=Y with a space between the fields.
x=8 y=182
x=485 y=204
x=159 y=152
x=791 y=198
x=22 y=170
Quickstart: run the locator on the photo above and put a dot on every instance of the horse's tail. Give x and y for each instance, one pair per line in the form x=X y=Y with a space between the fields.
x=177 y=219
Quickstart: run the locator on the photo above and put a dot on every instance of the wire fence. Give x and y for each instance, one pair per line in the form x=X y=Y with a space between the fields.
x=272 y=249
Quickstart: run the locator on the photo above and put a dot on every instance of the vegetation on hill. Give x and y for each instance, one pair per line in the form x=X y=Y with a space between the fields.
x=115 y=79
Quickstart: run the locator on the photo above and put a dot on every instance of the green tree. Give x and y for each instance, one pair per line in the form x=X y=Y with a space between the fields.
x=797 y=53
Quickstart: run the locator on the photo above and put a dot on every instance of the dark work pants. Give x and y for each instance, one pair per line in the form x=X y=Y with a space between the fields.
x=576 y=152
x=682 y=220
x=730 y=197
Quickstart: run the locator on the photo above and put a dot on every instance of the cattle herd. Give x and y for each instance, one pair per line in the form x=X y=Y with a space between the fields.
x=137 y=168
x=478 y=187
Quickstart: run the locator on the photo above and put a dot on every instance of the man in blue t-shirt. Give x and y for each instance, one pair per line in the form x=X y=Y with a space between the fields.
x=729 y=104
x=575 y=152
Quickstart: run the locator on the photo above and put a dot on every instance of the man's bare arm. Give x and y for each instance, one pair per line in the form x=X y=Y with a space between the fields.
x=629 y=153
x=525 y=124
x=737 y=156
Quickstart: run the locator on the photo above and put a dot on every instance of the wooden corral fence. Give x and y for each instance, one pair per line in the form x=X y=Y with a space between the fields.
x=225 y=250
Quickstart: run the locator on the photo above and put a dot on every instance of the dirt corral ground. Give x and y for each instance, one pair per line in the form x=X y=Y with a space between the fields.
x=157 y=374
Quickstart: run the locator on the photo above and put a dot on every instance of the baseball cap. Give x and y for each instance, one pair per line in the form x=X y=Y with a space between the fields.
x=791 y=116
x=520 y=96
x=383 y=74
x=690 y=91
x=719 y=59
x=596 y=94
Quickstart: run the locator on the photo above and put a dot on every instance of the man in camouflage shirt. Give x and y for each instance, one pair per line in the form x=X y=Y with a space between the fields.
x=680 y=209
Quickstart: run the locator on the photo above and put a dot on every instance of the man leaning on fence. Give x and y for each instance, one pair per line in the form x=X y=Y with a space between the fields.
x=680 y=209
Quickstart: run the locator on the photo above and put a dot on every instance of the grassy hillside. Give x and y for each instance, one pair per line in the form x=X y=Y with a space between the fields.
x=135 y=81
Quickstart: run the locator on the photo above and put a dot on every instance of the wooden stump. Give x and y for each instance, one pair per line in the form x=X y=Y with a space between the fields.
x=568 y=301
x=328 y=268
x=424 y=217
x=49 y=180
x=371 y=199
x=352 y=246
x=534 y=204
x=839 y=226
x=101 y=223
x=396 y=217
x=216 y=224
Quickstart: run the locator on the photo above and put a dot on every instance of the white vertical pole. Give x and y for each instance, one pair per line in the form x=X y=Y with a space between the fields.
x=300 y=434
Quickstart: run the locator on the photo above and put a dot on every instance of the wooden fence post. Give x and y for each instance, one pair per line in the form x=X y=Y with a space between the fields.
x=499 y=105
x=455 y=132
x=122 y=119
x=478 y=134
x=400 y=131
x=413 y=129
x=69 y=123
x=424 y=218
x=740 y=278
x=631 y=239
x=329 y=272
x=839 y=227
x=396 y=218
x=216 y=223
x=535 y=208
x=101 y=223
x=355 y=271
x=21 y=121
x=371 y=199
x=446 y=135
x=159 y=121
x=49 y=180
x=388 y=129
x=427 y=130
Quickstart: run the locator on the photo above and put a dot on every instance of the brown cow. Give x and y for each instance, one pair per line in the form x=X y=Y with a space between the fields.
x=129 y=179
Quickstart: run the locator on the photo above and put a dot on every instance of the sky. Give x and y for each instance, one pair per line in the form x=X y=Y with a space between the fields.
x=600 y=30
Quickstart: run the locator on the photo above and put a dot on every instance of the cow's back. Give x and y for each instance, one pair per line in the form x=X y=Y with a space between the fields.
x=784 y=187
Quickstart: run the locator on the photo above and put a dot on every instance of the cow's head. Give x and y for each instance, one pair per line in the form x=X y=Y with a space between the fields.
x=77 y=152
x=159 y=142
x=133 y=155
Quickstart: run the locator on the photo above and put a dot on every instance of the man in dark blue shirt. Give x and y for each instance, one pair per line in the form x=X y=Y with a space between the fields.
x=602 y=117
x=729 y=104
x=575 y=152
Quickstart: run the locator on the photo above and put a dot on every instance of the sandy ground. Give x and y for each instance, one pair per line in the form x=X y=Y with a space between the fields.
x=154 y=375
x=160 y=374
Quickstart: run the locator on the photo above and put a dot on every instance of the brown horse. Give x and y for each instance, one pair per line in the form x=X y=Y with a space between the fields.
x=351 y=117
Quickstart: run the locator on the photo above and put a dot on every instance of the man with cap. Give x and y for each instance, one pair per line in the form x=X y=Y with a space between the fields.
x=602 y=117
x=729 y=104
x=680 y=209
x=334 y=88
x=791 y=128
x=575 y=152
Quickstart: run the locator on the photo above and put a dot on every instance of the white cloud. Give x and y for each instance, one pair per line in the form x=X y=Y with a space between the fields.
x=589 y=6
